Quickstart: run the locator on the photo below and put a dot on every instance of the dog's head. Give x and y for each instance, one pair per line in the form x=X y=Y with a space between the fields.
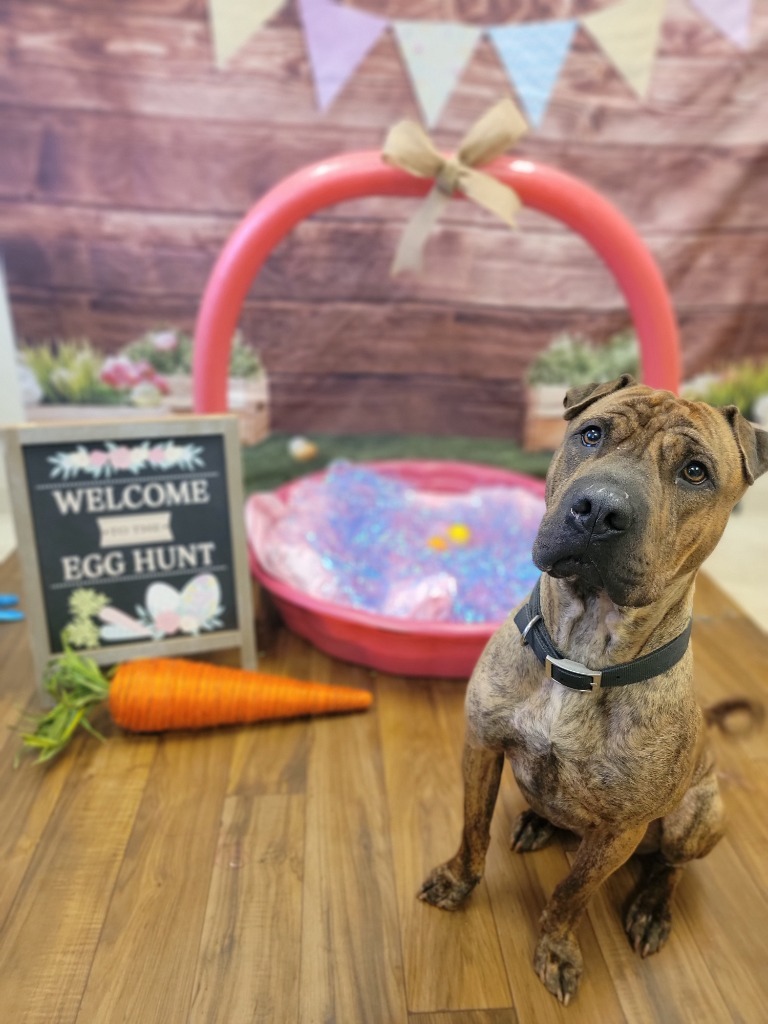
x=641 y=489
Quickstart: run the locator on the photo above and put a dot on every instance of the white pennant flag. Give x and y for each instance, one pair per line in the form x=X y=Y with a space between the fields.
x=435 y=54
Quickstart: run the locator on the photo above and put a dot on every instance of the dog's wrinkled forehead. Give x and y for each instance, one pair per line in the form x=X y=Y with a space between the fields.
x=662 y=426
x=639 y=413
x=638 y=410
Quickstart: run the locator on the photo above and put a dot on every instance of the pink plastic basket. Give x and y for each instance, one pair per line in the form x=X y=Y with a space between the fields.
x=445 y=649
x=402 y=647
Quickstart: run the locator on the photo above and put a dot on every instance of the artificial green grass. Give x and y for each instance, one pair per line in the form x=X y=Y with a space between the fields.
x=270 y=464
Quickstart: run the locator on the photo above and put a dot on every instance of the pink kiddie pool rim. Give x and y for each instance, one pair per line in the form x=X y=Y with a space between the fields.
x=356 y=175
x=385 y=643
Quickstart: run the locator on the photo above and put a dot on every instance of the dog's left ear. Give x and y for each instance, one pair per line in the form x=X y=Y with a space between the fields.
x=752 y=442
x=577 y=399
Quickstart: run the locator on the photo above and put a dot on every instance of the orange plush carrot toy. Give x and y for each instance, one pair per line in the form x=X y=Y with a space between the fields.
x=169 y=693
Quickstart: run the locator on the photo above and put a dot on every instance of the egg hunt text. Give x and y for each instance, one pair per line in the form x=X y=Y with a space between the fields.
x=144 y=561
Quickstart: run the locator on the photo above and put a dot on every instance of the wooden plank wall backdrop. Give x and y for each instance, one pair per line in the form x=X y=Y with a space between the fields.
x=127 y=158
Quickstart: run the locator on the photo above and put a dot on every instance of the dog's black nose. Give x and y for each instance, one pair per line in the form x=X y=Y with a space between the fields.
x=602 y=511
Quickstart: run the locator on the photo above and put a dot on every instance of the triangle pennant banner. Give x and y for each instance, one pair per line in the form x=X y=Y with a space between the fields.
x=731 y=17
x=628 y=33
x=233 y=22
x=338 y=40
x=435 y=54
x=533 y=54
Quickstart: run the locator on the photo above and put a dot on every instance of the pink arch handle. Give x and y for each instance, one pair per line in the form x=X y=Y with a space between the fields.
x=355 y=175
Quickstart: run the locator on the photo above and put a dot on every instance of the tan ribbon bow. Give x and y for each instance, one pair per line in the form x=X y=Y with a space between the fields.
x=409 y=147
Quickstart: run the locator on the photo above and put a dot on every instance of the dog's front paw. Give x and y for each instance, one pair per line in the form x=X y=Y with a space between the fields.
x=648 y=922
x=530 y=832
x=446 y=889
x=558 y=963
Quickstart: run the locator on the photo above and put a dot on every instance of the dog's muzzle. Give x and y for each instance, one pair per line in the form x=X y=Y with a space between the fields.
x=590 y=532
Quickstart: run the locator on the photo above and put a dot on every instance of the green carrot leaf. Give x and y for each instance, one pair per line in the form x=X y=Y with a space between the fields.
x=78 y=686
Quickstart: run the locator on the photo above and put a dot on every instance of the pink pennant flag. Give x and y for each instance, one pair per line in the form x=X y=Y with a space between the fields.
x=731 y=17
x=338 y=39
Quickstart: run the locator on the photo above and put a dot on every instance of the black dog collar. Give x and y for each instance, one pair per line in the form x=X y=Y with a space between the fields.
x=576 y=676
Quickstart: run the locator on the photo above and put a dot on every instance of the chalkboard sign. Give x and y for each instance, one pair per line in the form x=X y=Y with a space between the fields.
x=131 y=538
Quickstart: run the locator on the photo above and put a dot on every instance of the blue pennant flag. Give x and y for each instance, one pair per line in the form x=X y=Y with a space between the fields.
x=532 y=55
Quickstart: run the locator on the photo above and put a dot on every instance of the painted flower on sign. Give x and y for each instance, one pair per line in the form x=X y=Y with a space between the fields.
x=104 y=461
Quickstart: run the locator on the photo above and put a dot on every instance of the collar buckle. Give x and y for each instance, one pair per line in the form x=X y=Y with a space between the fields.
x=573 y=674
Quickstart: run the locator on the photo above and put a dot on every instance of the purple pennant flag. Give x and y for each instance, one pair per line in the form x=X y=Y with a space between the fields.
x=731 y=17
x=338 y=39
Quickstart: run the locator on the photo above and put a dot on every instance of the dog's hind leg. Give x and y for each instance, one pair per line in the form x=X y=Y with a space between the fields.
x=687 y=833
x=449 y=884
x=530 y=832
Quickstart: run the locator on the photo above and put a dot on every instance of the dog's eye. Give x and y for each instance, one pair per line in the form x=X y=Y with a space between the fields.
x=591 y=436
x=695 y=473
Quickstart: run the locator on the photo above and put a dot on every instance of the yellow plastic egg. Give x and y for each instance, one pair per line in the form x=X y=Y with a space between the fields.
x=459 y=533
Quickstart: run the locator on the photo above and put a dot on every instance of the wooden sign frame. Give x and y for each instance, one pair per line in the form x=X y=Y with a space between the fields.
x=146 y=500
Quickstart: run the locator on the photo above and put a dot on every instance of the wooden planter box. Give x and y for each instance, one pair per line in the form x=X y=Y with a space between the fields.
x=544 y=423
x=247 y=398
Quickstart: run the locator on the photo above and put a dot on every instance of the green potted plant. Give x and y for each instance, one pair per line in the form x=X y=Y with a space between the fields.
x=69 y=379
x=743 y=384
x=169 y=351
x=568 y=360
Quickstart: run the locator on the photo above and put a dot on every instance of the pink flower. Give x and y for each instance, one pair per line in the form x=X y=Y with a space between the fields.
x=118 y=372
x=164 y=341
x=120 y=457
x=156 y=456
x=98 y=458
x=143 y=371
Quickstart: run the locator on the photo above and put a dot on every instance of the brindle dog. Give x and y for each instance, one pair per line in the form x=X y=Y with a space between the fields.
x=637 y=497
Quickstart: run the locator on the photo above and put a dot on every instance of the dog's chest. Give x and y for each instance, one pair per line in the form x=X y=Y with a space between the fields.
x=545 y=738
x=550 y=717
x=565 y=757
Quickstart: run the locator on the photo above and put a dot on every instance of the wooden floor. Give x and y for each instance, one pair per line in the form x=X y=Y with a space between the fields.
x=268 y=873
